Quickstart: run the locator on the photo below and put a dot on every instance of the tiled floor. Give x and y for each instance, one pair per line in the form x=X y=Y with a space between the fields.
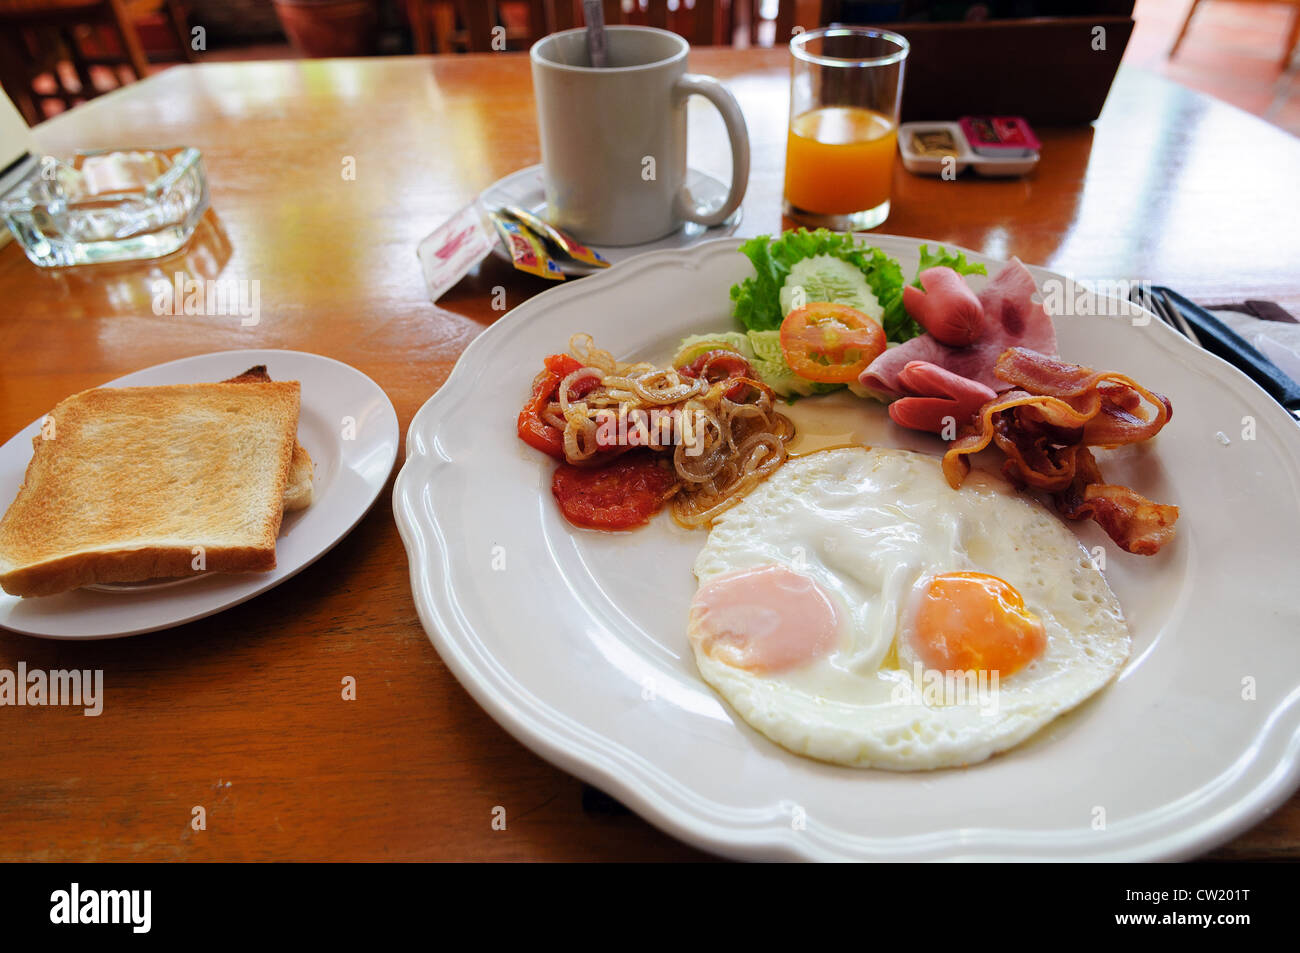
x=1233 y=51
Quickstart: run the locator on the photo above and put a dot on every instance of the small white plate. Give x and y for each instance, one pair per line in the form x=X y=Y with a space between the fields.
x=352 y=466
x=575 y=640
x=525 y=189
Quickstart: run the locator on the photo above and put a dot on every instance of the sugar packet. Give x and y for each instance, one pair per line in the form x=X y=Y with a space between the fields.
x=454 y=247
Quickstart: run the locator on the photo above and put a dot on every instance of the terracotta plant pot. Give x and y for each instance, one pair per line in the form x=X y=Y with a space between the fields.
x=319 y=28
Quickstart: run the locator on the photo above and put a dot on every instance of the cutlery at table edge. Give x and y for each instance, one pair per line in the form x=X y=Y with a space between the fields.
x=1206 y=331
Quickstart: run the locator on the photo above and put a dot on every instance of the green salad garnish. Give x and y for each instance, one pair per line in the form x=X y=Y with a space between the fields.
x=756 y=301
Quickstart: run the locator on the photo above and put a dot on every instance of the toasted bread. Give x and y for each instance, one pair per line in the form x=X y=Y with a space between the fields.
x=134 y=483
x=298 y=496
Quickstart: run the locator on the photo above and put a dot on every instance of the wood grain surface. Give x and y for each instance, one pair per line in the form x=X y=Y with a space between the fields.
x=242 y=713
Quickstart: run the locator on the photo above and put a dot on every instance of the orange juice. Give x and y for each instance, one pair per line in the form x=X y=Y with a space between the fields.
x=839 y=160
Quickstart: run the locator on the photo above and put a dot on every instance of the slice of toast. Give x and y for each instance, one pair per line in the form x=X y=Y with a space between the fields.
x=298 y=495
x=134 y=483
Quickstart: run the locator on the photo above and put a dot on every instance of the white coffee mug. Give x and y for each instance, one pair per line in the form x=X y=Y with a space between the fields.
x=614 y=139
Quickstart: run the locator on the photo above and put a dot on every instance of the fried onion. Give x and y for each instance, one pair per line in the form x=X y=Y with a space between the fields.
x=728 y=438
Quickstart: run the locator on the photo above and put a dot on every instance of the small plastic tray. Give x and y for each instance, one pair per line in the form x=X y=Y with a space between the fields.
x=962 y=157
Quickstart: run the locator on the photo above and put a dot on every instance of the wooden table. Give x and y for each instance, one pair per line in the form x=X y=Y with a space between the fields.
x=241 y=713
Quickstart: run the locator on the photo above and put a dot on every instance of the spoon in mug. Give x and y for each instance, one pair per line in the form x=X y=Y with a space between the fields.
x=594 y=12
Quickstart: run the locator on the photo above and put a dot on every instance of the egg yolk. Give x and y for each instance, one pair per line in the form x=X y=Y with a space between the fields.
x=768 y=619
x=970 y=621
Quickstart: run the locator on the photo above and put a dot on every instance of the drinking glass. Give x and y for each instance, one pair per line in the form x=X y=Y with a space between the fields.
x=845 y=87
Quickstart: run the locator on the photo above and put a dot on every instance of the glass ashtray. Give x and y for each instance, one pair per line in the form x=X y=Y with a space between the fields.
x=109 y=205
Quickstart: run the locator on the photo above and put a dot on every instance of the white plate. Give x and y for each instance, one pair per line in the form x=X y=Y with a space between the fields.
x=349 y=475
x=525 y=189
x=575 y=640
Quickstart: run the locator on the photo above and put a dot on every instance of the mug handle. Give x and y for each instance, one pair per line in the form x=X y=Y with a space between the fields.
x=693 y=84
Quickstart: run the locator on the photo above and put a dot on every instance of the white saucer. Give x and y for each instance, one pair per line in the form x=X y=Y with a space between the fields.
x=525 y=189
x=349 y=475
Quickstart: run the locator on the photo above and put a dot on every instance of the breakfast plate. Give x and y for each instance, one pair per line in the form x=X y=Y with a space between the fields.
x=345 y=422
x=575 y=641
x=525 y=190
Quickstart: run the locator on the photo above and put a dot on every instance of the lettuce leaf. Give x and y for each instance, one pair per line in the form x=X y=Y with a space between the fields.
x=756 y=301
x=941 y=256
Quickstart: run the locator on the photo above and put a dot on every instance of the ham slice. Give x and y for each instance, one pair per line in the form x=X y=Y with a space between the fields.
x=946 y=307
x=949 y=399
x=1010 y=318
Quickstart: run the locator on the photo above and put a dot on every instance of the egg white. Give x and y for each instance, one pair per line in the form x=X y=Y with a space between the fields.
x=870 y=526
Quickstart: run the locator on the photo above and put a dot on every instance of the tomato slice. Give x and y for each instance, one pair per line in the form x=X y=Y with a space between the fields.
x=535 y=431
x=720 y=365
x=717 y=365
x=562 y=364
x=622 y=494
x=830 y=343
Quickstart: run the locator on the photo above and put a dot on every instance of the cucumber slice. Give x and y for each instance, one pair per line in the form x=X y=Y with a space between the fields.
x=697 y=344
x=827 y=278
x=770 y=366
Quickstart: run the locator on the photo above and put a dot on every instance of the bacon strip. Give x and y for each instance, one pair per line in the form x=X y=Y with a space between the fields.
x=1045 y=426
x=1120 y=421
x=1135 y=523
x=1052 y=411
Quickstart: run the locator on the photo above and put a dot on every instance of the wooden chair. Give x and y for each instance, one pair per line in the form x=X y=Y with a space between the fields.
x=705 y=23
x=449 y=26
x=36 y=36
x=1292 y=38
x=443 y=26
x=702 y=24
x=746 y=21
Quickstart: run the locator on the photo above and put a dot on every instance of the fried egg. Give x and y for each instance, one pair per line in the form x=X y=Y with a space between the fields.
x=856 y=609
